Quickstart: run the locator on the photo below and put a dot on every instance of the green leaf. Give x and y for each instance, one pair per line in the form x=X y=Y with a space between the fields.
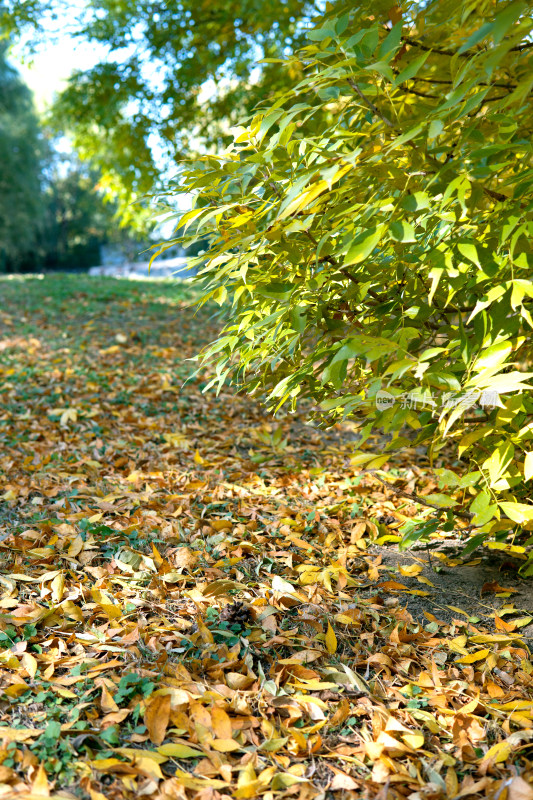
x=469 y=251
x=402 y=231
x=440 y=500
x=528 y=466
x=411 y=69
x=364 y=245
x=279 y=290
x=517 y=512
x=506 y=18
x=493 y=356
x=319 y=34
x=391 y=42
x=415 y=531
x=416 y=201
x=499 y=461
x=477 y=37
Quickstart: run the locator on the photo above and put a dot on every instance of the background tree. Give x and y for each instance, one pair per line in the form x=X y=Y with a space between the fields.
x=372 y=229
x=178 y=74
x=21 y=156
x=79 y=220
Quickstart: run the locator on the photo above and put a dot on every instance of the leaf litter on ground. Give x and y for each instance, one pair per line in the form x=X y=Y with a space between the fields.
x=192 y=605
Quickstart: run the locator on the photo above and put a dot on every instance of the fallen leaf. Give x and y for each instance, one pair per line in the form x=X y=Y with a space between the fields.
x=157 y=716
x=471 y=658
x=331 y=640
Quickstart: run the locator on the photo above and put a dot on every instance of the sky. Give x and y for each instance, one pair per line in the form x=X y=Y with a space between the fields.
x=52 y=66
x=48 y=71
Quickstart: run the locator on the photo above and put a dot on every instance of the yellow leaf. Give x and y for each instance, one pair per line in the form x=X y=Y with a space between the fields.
x=111 y=611
x=106 y=764
x=39 y=787
x=514 y=705
x=344 y=619
x=107 y=703
x=452 y=784
x=29 y=663
x=11 y=661
x=134 y=476
x=71 y=610
x=16 y=689
x=198 y=458
x=62 y=692
x=411 y=570
x=331 y=640
x=521 y=621
x=414 y=740
x=497 y=753
x=458 y=610
x=94 y=795
x=133 y=753
x=76 y=546
x=178 y=440
x=149 y=766
x=58 y=587
x=20 y=734
x=190 y=782
x=479 y=655
x=225 y=745
x=179 y=751
x=313 y=685
x=528 y=466
x=279 y=584
x=518 y=512
x=500 y=638
x=69 y=415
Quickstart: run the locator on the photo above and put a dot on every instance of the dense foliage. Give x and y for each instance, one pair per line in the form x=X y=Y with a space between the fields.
x=173 y=75
x=372 y=229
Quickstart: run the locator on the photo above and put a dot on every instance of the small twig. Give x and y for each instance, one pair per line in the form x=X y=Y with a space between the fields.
x=369 y=103
x=416 y=499
x=428 y=49
x=428 y=551
x=415 y=43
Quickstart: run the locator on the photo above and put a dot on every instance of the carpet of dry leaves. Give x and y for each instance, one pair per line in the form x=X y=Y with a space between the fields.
x=189 y=608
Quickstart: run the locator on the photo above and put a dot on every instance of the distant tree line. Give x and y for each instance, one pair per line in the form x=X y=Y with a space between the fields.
x=52 y=213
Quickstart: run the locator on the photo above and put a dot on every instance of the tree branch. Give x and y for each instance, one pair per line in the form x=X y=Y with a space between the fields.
x=415 y=43
x=375 y=110
x=416 y=499
x=427 y=49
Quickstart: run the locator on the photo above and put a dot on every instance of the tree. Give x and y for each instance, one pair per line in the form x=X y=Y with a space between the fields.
x=176 y=77
x=372 y=230
x=21 y=152
x=78 y=220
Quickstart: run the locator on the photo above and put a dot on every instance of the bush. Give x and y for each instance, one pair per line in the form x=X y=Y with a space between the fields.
x=372 y=230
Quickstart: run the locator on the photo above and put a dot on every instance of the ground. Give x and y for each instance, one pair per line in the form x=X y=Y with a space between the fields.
x=199 y=601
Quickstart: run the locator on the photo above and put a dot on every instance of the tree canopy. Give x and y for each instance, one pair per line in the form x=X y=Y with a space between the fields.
x=175 y=77
x=372 y=231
